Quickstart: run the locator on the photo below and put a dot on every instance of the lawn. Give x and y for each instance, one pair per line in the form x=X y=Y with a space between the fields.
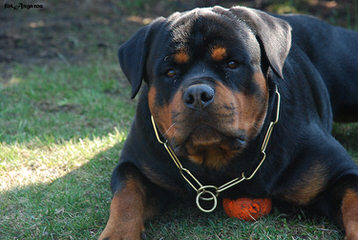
x=64 y=115
x=62 y=129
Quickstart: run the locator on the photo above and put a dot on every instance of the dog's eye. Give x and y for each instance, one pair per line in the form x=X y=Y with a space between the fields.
x=171 y=73
x=232 y=64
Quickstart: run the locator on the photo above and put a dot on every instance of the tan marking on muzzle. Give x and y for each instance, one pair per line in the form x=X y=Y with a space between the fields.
x=163 y=114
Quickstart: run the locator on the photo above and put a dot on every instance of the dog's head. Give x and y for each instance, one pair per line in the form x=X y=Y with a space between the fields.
x=206 y=73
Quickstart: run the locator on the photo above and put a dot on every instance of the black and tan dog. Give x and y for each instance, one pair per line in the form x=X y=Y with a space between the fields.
x=243 y=101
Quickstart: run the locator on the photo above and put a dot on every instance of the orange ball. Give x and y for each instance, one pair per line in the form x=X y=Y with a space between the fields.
x=248 y=209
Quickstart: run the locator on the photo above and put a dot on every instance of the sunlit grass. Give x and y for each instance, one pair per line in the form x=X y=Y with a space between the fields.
x=58 y=190
x=22 y=164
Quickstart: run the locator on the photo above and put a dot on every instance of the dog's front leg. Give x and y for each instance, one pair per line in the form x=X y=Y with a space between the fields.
x=133 y=202
x=349 y=209
x=340 y=203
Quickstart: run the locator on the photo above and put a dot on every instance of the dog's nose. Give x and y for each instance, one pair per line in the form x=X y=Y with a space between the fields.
x=198 y=96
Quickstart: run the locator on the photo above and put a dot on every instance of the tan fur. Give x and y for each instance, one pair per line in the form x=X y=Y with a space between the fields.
x=218 y=53
x=127 y=213
x=181 y=57
x=251 y=111
x=308 y=186
x=350 y=214
x=215 y=157
x=163 y=114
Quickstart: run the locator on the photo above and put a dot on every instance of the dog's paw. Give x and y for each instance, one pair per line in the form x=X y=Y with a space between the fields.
x=352 y=232
x=122 y=234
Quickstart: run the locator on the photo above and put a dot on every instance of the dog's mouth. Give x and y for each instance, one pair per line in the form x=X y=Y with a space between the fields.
x=209 y=145
x=207 y=136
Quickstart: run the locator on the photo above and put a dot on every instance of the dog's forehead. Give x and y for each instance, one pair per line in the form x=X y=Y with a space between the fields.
x=205 y=28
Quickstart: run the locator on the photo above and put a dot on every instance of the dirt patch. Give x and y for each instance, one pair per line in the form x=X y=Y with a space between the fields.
x=55 y=34
x=47 y=106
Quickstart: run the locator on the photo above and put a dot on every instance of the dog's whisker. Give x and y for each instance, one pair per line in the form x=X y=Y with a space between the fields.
x=171 y=126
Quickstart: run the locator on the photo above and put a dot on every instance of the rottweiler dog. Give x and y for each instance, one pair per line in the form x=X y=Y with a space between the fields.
x=237 y=103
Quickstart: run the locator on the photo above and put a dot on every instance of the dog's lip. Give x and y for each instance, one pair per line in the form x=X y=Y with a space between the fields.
x=239 y=134
x=237 y=140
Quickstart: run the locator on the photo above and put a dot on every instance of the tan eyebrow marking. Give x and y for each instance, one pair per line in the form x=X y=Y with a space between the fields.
x=181 y=57
x=218 y=53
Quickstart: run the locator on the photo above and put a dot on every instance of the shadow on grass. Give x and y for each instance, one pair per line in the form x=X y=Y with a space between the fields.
x=74 y=206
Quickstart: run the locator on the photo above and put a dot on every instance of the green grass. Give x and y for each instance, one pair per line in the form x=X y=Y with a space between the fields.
x=61 y=132
x=188 y=223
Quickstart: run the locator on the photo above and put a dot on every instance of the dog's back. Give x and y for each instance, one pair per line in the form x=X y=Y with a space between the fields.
x=333 y=51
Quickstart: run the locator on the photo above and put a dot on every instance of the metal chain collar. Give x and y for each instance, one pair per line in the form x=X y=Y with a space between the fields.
x=211 y=192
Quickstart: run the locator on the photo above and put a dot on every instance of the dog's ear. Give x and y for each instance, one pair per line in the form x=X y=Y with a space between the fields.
x=273 y=34
x=133 y=55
